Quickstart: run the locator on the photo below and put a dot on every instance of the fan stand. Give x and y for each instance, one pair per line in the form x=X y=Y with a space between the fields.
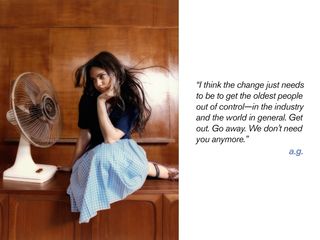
x=24 y=168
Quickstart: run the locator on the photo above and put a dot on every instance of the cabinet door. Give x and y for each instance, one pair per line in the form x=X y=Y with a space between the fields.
x=170 y=216
x=42 y=217
x=3 y=216
x=138 y=217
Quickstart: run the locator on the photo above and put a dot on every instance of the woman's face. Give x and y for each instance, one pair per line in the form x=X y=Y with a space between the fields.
x=101 y=80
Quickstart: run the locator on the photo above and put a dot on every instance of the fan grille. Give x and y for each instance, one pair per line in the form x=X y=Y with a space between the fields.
x=35 y=109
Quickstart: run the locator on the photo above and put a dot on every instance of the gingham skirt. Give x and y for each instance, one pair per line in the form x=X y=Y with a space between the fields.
x=106 y=174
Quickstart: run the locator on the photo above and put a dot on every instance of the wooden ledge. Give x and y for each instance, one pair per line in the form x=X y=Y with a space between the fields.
x=59 y=183
x=74 y=140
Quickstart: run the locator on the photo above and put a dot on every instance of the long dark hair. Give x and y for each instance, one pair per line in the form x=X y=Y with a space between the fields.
x=127 y=86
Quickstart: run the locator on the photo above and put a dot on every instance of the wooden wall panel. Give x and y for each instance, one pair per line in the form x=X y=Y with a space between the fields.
x=29 y=51
x=84 y=13
x=171 y=216
x=173 y=63
x=4 y=216
x=44 y=216
x=139 y=217
x=4 y=80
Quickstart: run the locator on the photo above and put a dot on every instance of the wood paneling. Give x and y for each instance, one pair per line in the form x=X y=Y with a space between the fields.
x=59 y=183
x=171 y=217
x=4 y=80
x=83 y=13
x=40 y=216
x=28 y=51
x=138 y=217
x=3 y=216
x=42 y=211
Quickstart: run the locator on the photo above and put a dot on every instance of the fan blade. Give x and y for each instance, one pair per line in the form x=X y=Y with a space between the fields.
x=23 y=116
x=23 y=108
x=32 y=90
x=41 y=132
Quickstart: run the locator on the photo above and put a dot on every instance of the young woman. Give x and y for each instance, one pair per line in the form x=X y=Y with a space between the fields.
x=109 y=165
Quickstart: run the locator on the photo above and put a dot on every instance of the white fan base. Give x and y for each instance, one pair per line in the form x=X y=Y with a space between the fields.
x=24 y=168
x=30 y=175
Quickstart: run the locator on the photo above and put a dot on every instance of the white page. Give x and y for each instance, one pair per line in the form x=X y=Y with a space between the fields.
x=267 y=187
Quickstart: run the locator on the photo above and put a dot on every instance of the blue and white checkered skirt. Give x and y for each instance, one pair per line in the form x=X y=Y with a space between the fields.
x=106 y=174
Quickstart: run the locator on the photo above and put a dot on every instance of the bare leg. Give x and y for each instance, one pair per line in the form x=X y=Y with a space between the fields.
x=162 y=172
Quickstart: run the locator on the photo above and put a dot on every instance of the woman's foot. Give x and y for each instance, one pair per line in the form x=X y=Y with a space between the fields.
x=159 y=171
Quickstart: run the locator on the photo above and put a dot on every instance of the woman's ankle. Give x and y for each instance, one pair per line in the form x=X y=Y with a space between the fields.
x=160 y=171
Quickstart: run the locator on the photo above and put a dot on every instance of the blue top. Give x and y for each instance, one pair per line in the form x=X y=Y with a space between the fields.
x=88 y=119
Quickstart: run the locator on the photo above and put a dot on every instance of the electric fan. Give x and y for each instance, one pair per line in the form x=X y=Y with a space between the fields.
x=36 y=113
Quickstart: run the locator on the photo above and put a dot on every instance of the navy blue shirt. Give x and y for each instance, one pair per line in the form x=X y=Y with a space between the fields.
x=88 y=119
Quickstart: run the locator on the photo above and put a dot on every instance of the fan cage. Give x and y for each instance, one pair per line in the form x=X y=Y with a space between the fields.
x=35 y=109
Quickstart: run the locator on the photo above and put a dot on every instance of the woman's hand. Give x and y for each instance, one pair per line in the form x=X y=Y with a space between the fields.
x=64 y=168
x=109 y=132
x=107 y=95
x=104 y=97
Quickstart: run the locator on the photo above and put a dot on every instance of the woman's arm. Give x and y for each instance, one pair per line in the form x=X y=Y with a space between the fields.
x=109 y=132
x=82 y=143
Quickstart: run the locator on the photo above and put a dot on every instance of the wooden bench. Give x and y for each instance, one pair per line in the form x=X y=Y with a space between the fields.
x=42 y=211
